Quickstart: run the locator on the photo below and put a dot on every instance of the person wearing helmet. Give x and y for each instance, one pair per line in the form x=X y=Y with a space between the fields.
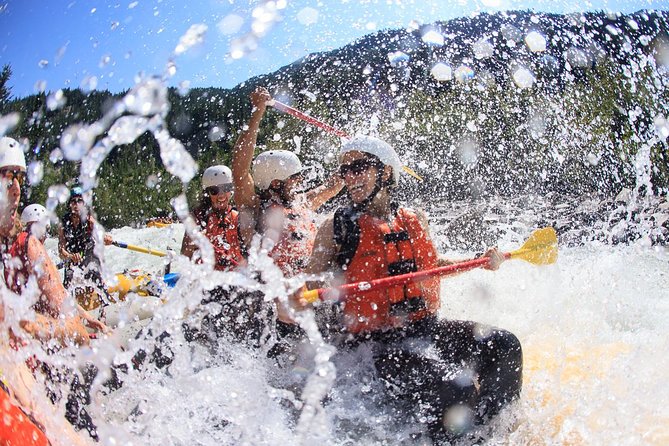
x=36 y=221
x=373 y=237
x=268 y=193
x=217 y=220
x=76 y=245
x=25 y=258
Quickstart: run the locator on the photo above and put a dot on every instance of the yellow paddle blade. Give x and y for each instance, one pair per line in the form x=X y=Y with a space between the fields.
x=540 y=249
x=412 y=172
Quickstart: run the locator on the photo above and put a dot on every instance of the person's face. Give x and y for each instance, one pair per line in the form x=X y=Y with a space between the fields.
x=220 y=196
x=287 y=189
x=359 y=173
x=11 y=179
x=77 y=204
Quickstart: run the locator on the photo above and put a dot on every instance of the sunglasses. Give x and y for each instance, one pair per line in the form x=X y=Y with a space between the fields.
x=13 y=174
x=216 y=190
x=356 y=167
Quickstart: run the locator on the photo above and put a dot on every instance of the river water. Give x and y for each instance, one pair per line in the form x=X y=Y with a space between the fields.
x=593 y=328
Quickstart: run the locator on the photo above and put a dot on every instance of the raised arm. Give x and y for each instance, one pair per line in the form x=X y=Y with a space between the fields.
x=318 y=196
x=242 y=154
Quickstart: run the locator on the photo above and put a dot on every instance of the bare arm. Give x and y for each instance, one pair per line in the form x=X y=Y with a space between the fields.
x=323 y=254
x=48 y=279
x=317 y=197
x=242 y=154
x=44 y=328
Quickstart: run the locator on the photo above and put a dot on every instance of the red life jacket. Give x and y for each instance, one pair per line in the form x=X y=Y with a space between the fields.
x=17 y=270
x=294 y=247
x=222 y=230
x=16 y=427
x=15 y=263
x=390 y=249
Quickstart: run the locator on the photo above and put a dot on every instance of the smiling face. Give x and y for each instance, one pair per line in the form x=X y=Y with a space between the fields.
x=359 y=172
x=221 y=200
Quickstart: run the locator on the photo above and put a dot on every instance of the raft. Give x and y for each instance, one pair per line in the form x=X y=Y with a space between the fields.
x=134 y=281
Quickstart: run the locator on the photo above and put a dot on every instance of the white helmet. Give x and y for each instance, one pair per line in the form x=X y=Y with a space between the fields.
x=274 y=165
x=216 y=176
x=377 y=147
x=35 y=213
x=11 y=153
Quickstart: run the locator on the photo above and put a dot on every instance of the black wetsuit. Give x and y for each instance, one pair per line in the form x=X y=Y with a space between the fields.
x=79 y=240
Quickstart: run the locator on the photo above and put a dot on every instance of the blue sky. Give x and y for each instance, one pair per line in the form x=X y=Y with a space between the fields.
x=105 y=43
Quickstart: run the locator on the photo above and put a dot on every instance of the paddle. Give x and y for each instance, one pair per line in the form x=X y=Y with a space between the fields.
x=320 y=124
x=153 y=252
x=539 y=249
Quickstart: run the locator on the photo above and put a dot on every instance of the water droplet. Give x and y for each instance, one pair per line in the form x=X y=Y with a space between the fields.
x=75 y=141
x=56 y=156
x=535 y=42
x=230 y=24
x=184 y=87
x=194 y=36
x=104 y=60
x=471 y=126
x=40 y=86
x=59 y=192
x=133 y=5
x=8 y=122
x=661 y=126
x=442 y=72
x=35 y=172
x=413 y=26
x=463 y=74
x=149 y=97
x=310 y=95
x=56 y=100
x=114 y=25
x=307 y=16
x=433 y=38
x=483 y=49
x=468 y=152
x=89 y=83
x=511 y=33
x=523 y=77
x=397 y=57
x=171 y=68
x=152 y=181
x=43 y=63
x=126 y=129
x=216 y=133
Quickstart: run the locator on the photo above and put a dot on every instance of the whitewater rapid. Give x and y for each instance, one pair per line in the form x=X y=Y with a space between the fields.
x=593 y=328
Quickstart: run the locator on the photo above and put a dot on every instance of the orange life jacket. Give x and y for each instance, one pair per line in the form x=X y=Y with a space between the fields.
x=294 y=247
x=16 y=427
x=222 y=230
x=390 y=249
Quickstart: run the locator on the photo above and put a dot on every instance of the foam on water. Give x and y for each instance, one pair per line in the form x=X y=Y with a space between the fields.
x=593 y=328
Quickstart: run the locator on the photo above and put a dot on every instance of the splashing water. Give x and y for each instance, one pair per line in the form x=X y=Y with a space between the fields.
x=587 y=324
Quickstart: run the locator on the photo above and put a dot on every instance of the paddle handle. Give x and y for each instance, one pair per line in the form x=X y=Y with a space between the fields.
x=339 y=292
x=139 y=249
x=306 y=118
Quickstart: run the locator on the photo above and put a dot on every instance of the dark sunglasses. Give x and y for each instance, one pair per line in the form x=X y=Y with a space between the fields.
x=356 y=167
x=215 y=190
x=13 y=174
